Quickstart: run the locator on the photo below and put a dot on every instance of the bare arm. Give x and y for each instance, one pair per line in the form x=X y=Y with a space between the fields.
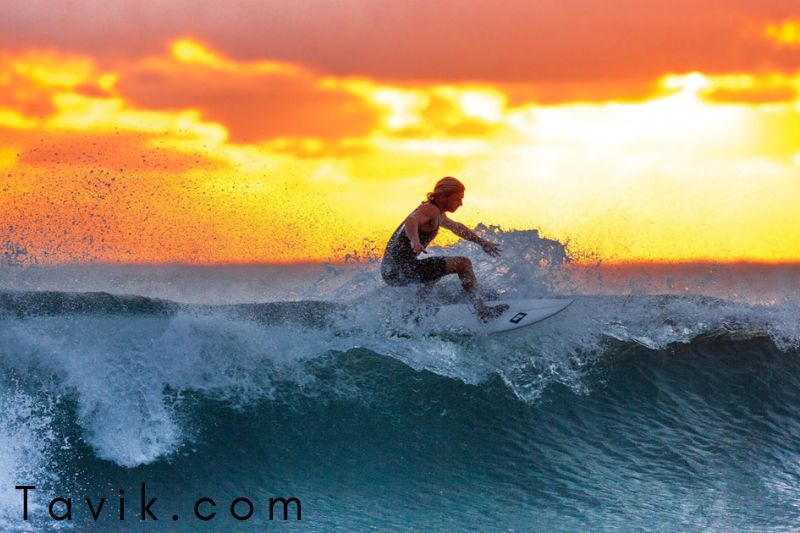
x=465 y=233
x=461 y=230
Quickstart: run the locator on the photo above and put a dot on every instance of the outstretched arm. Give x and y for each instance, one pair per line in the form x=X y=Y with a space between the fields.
x=465 y=233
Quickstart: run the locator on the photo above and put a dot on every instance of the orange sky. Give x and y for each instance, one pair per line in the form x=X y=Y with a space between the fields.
x=289 y=131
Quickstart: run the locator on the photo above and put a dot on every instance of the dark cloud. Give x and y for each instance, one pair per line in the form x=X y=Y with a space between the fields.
x=483 y=40
x=253 y=106
x=620 y=90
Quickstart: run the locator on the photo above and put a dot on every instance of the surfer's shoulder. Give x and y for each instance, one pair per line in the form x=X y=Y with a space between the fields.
x=426 y=211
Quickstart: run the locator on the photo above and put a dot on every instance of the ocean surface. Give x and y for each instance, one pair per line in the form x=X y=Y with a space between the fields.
x=665 y=398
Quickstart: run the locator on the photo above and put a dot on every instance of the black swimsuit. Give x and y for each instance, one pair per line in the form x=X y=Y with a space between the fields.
x=400 y=265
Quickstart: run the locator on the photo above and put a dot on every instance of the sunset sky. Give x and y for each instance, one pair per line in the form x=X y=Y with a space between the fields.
x=278 y=131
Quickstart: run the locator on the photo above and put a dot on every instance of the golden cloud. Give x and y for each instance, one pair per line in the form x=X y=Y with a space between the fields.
x=750 y=88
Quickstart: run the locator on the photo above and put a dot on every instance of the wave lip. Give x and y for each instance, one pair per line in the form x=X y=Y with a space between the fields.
x=703 y=421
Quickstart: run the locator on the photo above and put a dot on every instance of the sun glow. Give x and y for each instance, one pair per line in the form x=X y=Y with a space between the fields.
x=786 y=32
x=403 y=107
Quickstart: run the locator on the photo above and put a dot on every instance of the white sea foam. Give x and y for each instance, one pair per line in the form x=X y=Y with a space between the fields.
x=26 y=438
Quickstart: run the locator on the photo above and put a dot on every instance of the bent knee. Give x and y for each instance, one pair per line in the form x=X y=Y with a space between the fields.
x=459 y=264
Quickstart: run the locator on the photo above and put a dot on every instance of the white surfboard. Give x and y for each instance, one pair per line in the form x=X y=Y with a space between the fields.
x=520 y=313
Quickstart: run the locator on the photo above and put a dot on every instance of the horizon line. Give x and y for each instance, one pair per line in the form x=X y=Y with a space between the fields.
x=323 y=262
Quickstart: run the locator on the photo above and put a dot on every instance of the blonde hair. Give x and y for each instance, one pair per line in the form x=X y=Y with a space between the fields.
x=444 y=187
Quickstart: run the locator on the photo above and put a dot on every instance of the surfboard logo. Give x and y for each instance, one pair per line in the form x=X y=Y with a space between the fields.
x=519 y=316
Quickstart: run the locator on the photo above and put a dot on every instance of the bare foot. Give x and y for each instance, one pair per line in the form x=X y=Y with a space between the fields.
x=491 y=312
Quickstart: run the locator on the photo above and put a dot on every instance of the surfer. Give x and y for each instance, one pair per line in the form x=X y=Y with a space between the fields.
x=400 y=265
